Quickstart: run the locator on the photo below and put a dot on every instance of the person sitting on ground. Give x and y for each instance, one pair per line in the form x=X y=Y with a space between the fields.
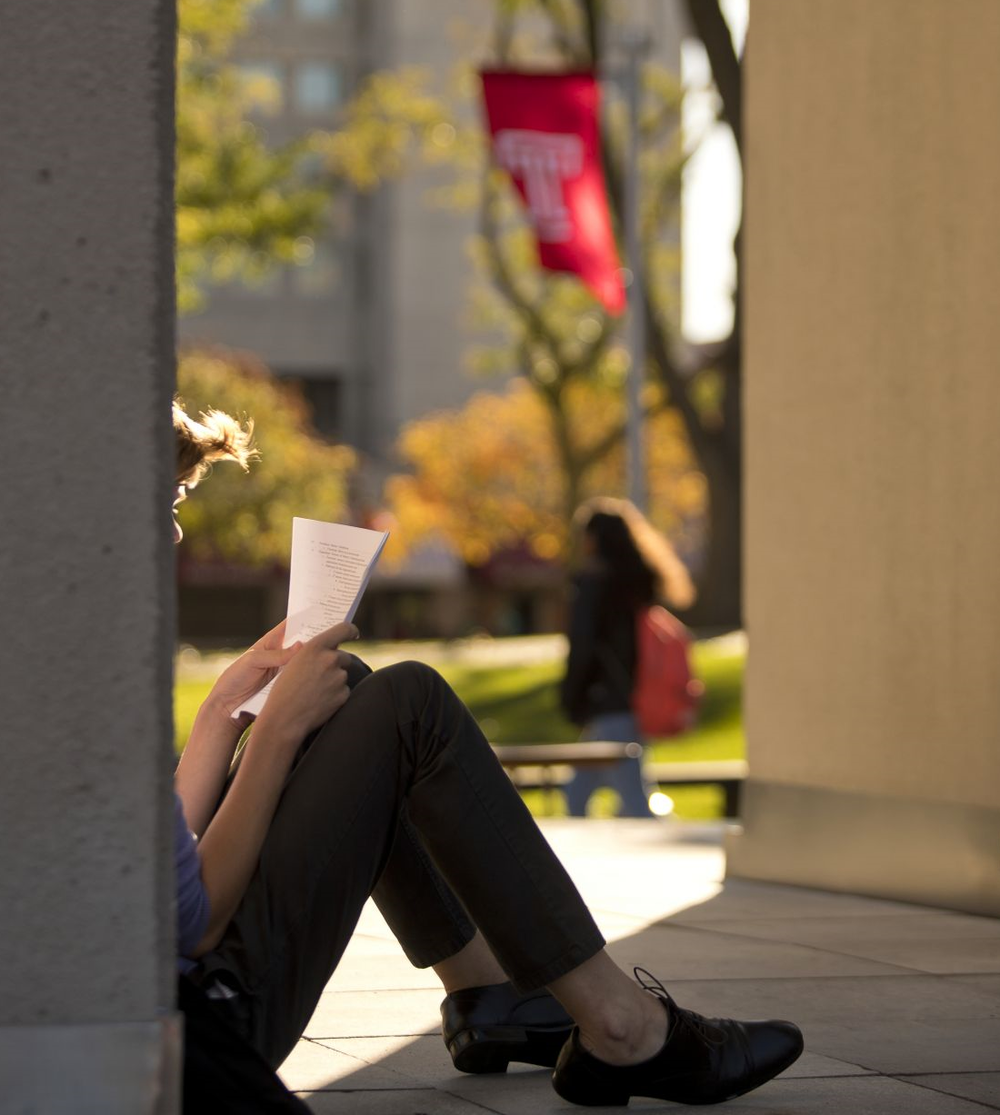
x=355 y=783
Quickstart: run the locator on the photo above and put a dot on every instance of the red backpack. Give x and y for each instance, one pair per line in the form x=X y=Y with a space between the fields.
x=665 y=695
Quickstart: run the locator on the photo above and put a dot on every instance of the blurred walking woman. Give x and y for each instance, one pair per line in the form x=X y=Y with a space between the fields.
x=626 y=564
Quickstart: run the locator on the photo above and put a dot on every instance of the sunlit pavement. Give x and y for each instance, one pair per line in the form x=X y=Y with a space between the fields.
x=900 y=1005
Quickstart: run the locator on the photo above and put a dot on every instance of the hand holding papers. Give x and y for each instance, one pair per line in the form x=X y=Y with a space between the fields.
x=330 y=568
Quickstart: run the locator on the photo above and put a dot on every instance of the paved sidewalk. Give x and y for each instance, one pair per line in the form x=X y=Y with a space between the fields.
x=900 y=1005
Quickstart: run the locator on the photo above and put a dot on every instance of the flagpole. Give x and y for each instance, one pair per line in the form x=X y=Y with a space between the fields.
x=635 y=42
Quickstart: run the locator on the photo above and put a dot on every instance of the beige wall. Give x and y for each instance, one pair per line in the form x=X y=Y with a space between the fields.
x=873 y=447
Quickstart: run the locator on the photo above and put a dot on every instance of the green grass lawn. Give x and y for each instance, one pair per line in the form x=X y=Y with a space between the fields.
x=519 y=704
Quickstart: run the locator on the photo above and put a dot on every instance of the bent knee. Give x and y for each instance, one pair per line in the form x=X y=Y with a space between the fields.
x=411 y=673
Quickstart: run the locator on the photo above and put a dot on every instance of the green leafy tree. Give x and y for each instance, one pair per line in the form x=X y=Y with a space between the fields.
x=244 y=204
x=246 y=519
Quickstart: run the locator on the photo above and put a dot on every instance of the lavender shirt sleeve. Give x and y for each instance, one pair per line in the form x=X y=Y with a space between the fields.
x=192 y=901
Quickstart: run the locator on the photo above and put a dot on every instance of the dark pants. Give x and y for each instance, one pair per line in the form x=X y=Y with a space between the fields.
x=396 y=793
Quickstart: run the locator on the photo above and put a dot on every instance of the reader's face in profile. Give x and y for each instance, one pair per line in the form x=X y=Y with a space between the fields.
x=180 y=495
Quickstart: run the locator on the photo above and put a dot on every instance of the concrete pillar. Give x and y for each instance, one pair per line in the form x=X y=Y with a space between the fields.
x=872 y=409
x=86 y=350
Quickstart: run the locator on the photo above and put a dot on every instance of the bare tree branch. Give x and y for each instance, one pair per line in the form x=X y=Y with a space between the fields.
x=525 y=306
x=676 y=382
x=575 y=51
x=711 y=27
x=615 y=436
x=503 y=32
x=503 y=276
x=591 y=21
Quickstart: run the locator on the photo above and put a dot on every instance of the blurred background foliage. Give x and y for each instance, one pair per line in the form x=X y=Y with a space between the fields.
x=247 y=520
x=487 y=476
x=245 y=206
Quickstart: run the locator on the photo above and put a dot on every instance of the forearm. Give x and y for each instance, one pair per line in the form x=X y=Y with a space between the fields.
x=204 y=765
x=310 y=689
x=230 y=847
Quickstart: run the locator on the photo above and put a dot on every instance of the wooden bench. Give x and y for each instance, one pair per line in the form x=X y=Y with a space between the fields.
x=730 y=774
x=549 y=766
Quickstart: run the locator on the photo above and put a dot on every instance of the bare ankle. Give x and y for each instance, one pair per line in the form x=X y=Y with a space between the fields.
x=474 y=965
x=627 y=1033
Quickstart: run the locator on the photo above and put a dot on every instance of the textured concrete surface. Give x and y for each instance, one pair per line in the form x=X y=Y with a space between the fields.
x=86 y=565
x=899 y=1004
x=86 y=348
x=870 y=406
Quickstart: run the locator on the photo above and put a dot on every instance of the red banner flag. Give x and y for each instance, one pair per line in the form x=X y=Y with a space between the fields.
x=546 y=135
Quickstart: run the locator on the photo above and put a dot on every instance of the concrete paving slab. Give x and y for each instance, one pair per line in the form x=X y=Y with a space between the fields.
x=746 y=900
x=945 y=956
x=313 y=1066
x=425 y=1061
x=531 y=1094
x=374 y=1013
x=911 y=923
x=616 y=926
x=421 y=1060
x=393 y=1102
x=372 y=944
x=673 y=952
x=831 y=962
x=986 y=982
x=811 y=1065
x=384 y=969
x=928 y=941
x=849 y=1095
x=637 y=868
x=984 y=1087
x=931 y=1044
x=861 y=1002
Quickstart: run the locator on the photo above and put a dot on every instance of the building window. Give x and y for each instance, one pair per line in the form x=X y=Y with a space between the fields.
x=266 y=10
x=317 y=86
x=324 y=394
x=315 y=10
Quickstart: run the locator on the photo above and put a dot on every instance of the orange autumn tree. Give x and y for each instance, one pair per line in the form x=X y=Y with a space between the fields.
x=488 y=476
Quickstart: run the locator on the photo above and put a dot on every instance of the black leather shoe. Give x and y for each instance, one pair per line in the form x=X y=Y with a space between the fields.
x=485 y=1028
x=704 y=1060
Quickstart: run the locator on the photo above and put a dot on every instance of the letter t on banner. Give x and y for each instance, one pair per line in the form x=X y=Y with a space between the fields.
x=546 y=135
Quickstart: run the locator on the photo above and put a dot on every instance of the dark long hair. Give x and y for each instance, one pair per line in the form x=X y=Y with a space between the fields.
x=643 y=565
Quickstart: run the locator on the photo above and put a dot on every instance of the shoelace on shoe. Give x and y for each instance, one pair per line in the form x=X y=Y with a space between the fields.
x=709 y=1033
